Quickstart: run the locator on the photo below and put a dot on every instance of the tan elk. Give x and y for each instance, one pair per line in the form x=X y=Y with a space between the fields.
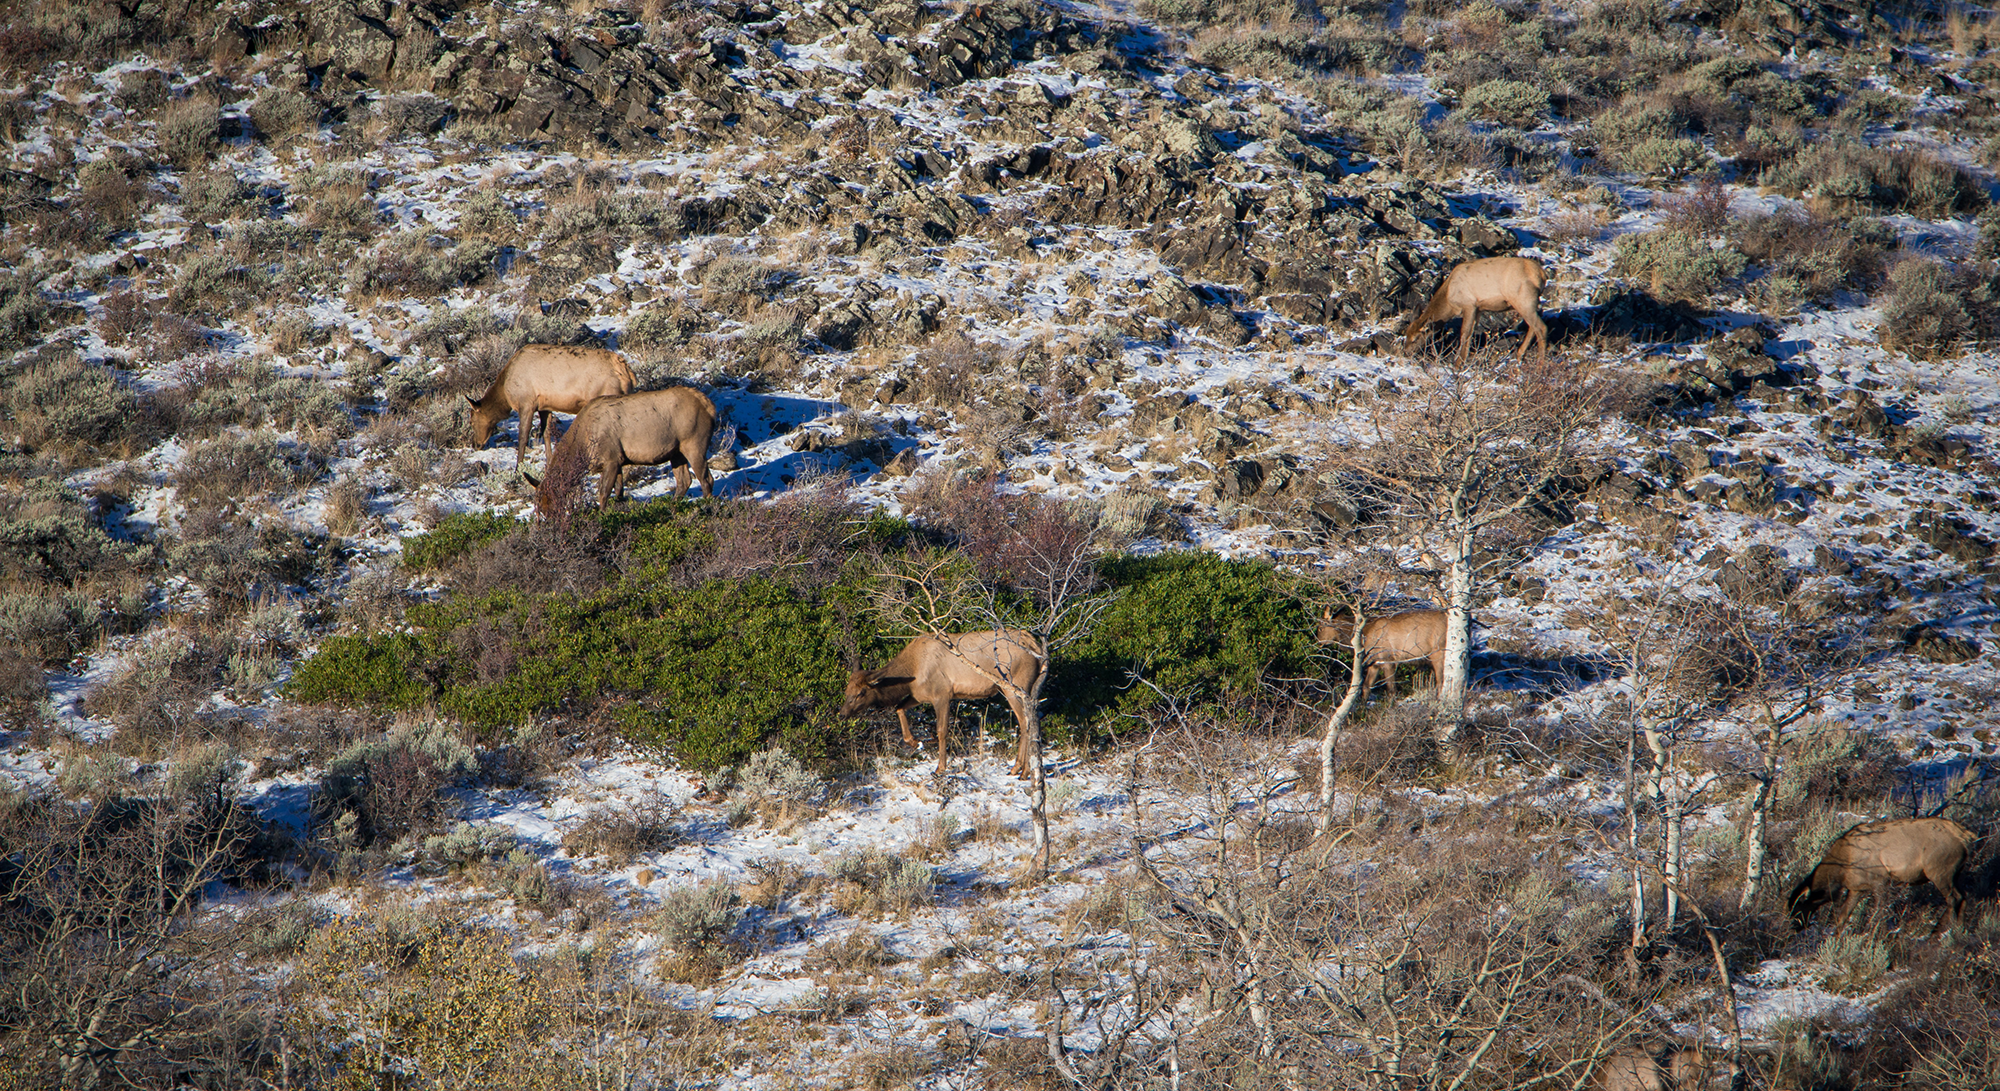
x=938 y=669
x=643 y=429
x=1637 y=1069
x=1869 y=857
x=1487 y=284
x=547 y=379
x=1386 y=641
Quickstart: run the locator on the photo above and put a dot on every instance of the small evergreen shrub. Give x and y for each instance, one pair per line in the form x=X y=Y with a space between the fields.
x=1196 y=625
x=381 y=672
x=453 y=537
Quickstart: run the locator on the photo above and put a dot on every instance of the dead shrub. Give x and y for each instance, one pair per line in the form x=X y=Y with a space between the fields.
x=620 y=835
x=948 y=370
x=1702 y=208
x=805 y=533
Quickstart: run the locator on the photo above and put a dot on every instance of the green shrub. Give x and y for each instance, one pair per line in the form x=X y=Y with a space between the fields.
x=1196 y=625
x=381 y=672
x=487 y=214
x=1677 y=265
x=1510 y=102
x=693 y=917
x=453 y=537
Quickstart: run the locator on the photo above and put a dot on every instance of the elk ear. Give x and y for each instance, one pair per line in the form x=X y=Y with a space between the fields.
x=474 y=402
x=533 y=481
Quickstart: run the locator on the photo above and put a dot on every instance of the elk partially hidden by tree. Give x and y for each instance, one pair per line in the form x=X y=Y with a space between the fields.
x=1636 y=1069
x=1487 y=284
x=1869 y=857
x=937 y=669
x=547 y=379
x=1414 y=636
x=644 y=429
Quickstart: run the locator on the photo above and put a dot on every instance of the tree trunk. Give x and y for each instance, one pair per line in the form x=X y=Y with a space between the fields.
x=1451 y=681
x=1636 y=855
x=1753 y=837
x=1357 y=670
x=1038 y=784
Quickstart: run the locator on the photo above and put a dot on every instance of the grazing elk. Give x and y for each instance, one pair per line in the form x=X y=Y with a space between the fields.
x=643 y=429
x=1487 y=284
x=1872 y=855
x=1386 y=641
x=547 y=379
x=938 y=669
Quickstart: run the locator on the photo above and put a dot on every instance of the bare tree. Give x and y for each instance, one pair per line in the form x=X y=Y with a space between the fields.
x=1459 y=458
x=1676 y=655
x=106 y=975
x=1788 y=657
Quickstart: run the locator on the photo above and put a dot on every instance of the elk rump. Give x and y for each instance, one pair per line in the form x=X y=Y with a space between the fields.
x=643 y=429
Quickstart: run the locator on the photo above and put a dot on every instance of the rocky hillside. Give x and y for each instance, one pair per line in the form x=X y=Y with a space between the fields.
x=965 y=280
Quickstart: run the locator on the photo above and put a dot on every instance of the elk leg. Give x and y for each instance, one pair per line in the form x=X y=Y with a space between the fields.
x=903 y=717
x=699 y=463
x=1465 y=334
x=548 y=436
x=607 y=480
x=1954 y=902
x=1025 y=742
x=682 y=479
x=943 y=709
x=1538 y=332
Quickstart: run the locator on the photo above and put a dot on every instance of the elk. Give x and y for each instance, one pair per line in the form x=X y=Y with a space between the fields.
x=1872 y=855
x=1386 y=641
x=1487 y=284
x=547 y=379
x=937 y=669
x=1636 y=1069
x=643 y=429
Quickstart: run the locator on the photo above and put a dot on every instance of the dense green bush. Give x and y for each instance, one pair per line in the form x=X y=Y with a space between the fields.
x=1198 y=626
x=454 y=536
x=726 y=629
x=383 y=671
